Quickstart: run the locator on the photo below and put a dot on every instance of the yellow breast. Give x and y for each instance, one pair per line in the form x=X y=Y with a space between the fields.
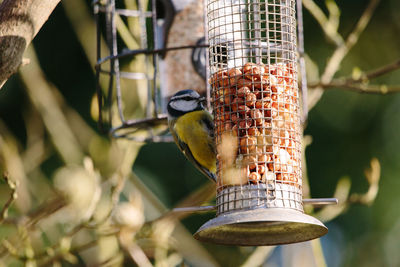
x=193 y=132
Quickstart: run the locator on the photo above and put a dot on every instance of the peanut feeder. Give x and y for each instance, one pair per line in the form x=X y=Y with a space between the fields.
x=253 y=78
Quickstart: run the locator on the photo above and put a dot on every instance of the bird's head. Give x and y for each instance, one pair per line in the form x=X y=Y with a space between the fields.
x=183 y=102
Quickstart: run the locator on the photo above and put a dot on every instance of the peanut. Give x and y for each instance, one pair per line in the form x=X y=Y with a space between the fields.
x=258 y=105
x=254 y=177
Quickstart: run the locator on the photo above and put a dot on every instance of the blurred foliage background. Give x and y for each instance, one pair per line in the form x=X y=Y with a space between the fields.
x=85 y=199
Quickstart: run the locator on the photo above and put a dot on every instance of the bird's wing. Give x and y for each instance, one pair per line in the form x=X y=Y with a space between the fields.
x=185 y=149
x=207 y=122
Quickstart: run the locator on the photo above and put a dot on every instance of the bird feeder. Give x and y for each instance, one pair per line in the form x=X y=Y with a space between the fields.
x=253 y=75
x=166 y=53
x=251 y=66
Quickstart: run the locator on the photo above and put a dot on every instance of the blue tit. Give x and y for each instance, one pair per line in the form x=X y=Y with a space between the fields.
x=191 y=125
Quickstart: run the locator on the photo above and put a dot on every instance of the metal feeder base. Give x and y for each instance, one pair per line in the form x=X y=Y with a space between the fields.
x=261 y=227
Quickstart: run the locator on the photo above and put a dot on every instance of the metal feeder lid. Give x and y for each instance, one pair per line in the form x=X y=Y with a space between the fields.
x=261 y=227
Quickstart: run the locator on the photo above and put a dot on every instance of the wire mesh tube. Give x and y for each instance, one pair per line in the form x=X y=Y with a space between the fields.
x=253 y=79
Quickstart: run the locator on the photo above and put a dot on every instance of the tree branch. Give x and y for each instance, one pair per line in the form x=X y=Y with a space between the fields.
x=328 y=26
x=337 y=57
x=13 y=195
x=342 y=193
x=378 y=72
x=20 y=21
x=360 y=87
x=360 y=82
x=341 y=51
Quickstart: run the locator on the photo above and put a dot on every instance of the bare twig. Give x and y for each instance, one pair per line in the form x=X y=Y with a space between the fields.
x=42 y=97
x=9 y=153
x=342 y=193
x=361 y=88
x=31 y=219
x=377 y=72
x=43 y=211
x=74 y=250
x=190 y=249
x=137 y=255
x=135 y=252
x=259 y=256
x=337 y=57
x=328 y=26
x=372 y=175
x=318 y=253
x=13 y=195
x=341 y=51
x=361 y=82
x=10 y=248
x=307 y=140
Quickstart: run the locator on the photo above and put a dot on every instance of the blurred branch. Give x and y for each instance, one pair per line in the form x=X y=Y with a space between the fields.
x=338 y=55
x=80 y=16
x=188 y=247
x=377 y=72
x=318 y=253
x=28 y=221
x=20 y=21
x=125 y=34
x=259 y=256
x=373 y=175
x=44 y=210
x=328 y=26
x=362 y=88
x=342 y=193
x=307 y=140
x=42 y=97
x=341 y=51
x=137 y=254
x=9 y=153
x=68 y=253
x=13 y=195
x=359 y=82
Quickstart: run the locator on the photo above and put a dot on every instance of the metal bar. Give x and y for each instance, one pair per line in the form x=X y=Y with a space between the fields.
x=152 y=139
x=195 y=209
x=162 y=119
x=302 y=64
x=308 y=201
x=126 y=12
x=147 y=52
x=98 y=70
x=320 y=201
x=155 y=66
x=257 y=31
x=109 y=18
x=127 y=75
x=144 y=44
x=116 y=63
x=208 y=86
x=264 y=45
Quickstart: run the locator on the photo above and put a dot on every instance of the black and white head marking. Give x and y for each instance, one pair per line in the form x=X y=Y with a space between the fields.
x=183 y=102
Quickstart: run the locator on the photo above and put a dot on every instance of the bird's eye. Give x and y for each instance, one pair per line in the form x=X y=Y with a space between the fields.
x=188 y=98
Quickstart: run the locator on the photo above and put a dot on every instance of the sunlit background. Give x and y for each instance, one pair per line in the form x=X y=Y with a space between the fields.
x=50 y=143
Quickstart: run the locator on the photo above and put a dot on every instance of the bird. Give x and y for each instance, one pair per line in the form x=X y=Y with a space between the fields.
x=191 y=126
